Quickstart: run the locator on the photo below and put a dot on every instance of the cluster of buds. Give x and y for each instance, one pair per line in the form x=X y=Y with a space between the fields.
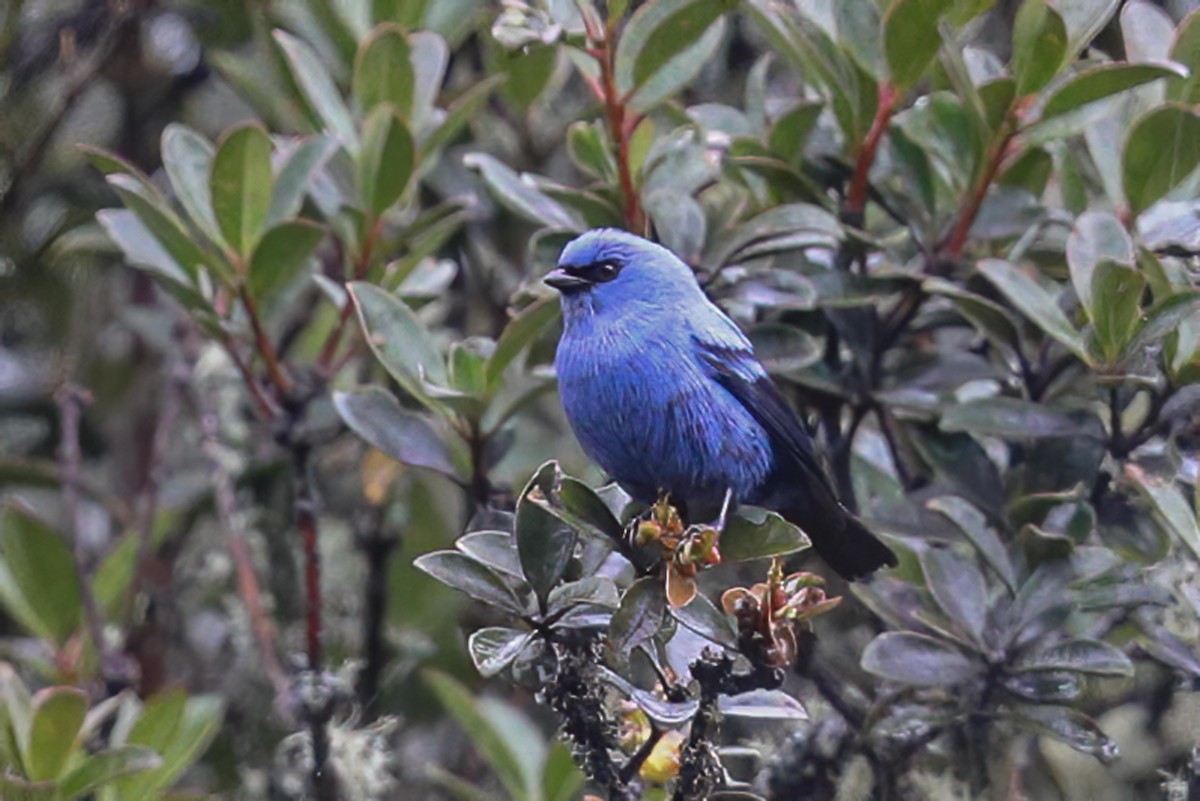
x=684 y=550
x=770 y=614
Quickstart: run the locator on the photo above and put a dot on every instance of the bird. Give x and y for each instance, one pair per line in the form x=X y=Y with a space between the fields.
x=663 y=391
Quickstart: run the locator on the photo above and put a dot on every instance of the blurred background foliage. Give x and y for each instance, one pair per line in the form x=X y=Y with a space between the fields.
x=274 y=371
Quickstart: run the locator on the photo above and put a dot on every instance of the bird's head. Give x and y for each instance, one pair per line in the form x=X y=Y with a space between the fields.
x=610 y=271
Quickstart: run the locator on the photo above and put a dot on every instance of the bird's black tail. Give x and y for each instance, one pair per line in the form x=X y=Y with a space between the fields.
x=846 y=545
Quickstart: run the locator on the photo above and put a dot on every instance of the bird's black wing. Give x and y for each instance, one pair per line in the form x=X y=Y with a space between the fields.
x=744 y=378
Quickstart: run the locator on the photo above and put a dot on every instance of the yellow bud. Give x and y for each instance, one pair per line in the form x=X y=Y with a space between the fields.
x=663 y=763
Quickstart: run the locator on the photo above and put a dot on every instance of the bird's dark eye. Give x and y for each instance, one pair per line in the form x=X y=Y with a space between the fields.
x=605 y=271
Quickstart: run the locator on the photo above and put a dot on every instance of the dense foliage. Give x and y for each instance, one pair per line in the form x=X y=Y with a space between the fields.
x=287 y=501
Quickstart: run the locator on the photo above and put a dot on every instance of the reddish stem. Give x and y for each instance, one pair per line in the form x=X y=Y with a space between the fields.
x=265 y=348
x=856 y=198
x=306 y=520
x=361 y=267
x=956 y=240
x=620 y=127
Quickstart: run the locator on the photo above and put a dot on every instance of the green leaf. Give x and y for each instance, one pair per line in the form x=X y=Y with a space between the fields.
x=1084 y=19
x=1101 y=81
x=1163 y=148
x=1165 y=317
x=790 y=131
x=1081 y=655
x=1008 y=418
x=292 y=183
x=491 y=744
x=1035 y=303
x=1185 y=50
x=988 y=317
x=375 y=415
x=1096 y=236
x=430 y=56
x=187 y=157
x=755 y=533
x=103 y=768
x=517 y=335
x=917 y=660
x=38 y=585
x=1170 y=506
x=383 y=70
x=180 y=729
x=387 y=160
x=1039 y=46
x=1117 y=303
x=561 y=780
x=280 y=255
x=473 y=579
x=639 y=616
x=911 y=38
x=494 y=648
x=520 y=196
x=659 y=32
x=142 y=250
x=544 y=544
x=703 y=617
x=109 y=163
x=319 y=90
x=241 y=186
x=590 y=150
x=496 y=549
x=1071 y=727
x=58 y=712
x=972 y=523
x=958 y=587
x=162 y=224
x=459 y=113
x=398 y=339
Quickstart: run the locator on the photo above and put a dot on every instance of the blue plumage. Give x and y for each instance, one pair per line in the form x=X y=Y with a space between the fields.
x=665 y=394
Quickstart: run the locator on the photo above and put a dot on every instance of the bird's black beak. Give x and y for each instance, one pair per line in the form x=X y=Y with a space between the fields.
x=564 y=281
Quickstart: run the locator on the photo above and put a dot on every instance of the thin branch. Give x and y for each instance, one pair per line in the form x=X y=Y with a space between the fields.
x=71 y=400
x=163 y=432
x=620 y=128
x=265 y=348
x=377 y=548
x=856 y=197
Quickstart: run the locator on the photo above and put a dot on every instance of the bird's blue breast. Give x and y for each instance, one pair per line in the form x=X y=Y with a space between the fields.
x=645 y=408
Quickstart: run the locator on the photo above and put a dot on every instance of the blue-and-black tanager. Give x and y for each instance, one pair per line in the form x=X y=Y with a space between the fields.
x=665 y=394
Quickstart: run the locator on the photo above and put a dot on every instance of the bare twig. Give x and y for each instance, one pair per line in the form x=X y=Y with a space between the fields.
x=377 y=548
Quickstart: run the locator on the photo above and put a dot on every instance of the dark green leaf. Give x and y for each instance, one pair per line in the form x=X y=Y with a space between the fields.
x=38 y=586
x=639 y=616
x=187 y=157
x=296 y=175
x=544 y=544
x=1039 y=46
x=958 y=587
x=918 y=660
x=1073 y=728
x=319 y=89
x=1186 y=51
x=594 y=590
x=387 y=160
x=1162 y=149
x=790 y=131
x=659 y=32
x=399 y=340
x=703 y=617
x=762 y=705
x=471 y=578
x=1034 y=302
x=460 y=112
x=164 y=226
x=1045 y=685
x=142 y=250
x=280 y=255
x=518 y=334
x=1101 y=81
x=971 y=522
x=911 y=38
x=375 y=415
x=180 y=730
x=383 y=70
x=496 y=549
x=58 y=713
x=754 y=533
x=1117 y=308
x=520 y=196
x=1096 y=236
x=1082 y=656
x=241 y=186
x=590 y=149
x=494 y=648
x=1010 y=418
x=101 y=769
